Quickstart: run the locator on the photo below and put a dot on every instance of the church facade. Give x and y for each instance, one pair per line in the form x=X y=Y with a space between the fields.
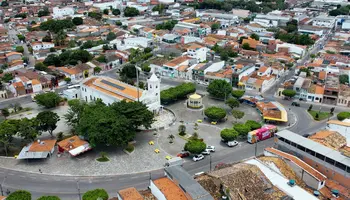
x=110 y=90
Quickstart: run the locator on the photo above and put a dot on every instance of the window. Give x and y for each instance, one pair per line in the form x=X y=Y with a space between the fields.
x=287 y=141
x=340 y=166
x=310 y=152
x=293 y=144
x=330 y=161
x=301 y=148
x=319 y=156
x=90 y=97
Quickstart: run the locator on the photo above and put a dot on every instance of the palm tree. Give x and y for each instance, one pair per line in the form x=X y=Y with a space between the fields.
x=171 y=138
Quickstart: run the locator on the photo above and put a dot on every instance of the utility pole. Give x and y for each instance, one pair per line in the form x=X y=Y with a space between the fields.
x=78 y=187
x=256 y=147
x=138 y=69
x=2 y=192
x=210 y=161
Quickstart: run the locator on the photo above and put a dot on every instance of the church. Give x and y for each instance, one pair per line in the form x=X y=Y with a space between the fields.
x=110 y=90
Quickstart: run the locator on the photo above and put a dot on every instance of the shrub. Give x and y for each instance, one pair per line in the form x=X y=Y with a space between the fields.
x=179 y=92
x=130 y=148
x=195 y=146
x=343 y=115
x=229 y=134
x=215 y=113
x=253 y=124
x=95 y=194
x=310 y=108
x=242 y=129
x=20 y=195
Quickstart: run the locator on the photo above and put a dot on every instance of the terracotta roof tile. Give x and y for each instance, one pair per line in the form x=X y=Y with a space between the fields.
x=170 y=190
x=42 y=146
x=73 y=142
x=130 y=194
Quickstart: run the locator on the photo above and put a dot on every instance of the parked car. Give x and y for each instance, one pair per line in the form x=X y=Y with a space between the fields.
x=210 y=148
x=206 y=152
x=296 y=104
x=198 y=157
x=232 y=143
x=183 y=154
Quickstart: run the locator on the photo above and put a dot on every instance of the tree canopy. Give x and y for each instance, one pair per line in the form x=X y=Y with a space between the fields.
x=344 y=79
x=116 y=12
x=68 y=57
x=44 y=12
x=56 y=25
x=237 y=114
x=215 y=26
x=28 y=129
x=115 y=124
x=219 y=88
x=175 y=93
x=48 y=100
x=168 y=25
x=95 y=15
x=342 y=10
x=40 y=66
x=215 y=113
x=49 y=198
x=131 y=12
x=237 y=93
x=232 y=102
x=111 y=36
x=195 y=146
x=253 y=124
x=343 y=115
x=19 y=49
x=294 y=38
x=97 y=194
x=77 y=21
x=255 y=36
x=20 y=194
x=229 y=134
x=160 y=8
x=289 y=93
x=242 y=129
x=47 y=121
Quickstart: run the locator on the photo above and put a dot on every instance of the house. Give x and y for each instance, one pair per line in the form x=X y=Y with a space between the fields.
x=17 y=88
x=111 y=90
x=36 y=86
x=76 y=73
x=344 y=96
x=239 y=71
x=42 y=45
x=11 y=56
x=60 y=12
x=197 y=52
x=270 y=20
x=296 y=50
x=324 y=21
x=303 y=92
x=165 y=189
x=315 y=93
x=264 y=71
x=73 y=145
x=38 y=150
x=223 y=74
x=331 y=89
x=200 y=70
x=138 y=41
x=272 y=111
x=170 y=68
x=129 y=194
x=257 y=83
x=14 y=65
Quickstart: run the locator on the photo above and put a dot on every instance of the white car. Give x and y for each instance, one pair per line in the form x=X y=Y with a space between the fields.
x=198 y=157
x=206 y=152
x=210 y=148
x=232 y=143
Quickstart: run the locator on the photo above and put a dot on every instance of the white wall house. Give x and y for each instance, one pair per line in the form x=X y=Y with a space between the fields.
x=324 y=21
x=60 y=12
x=36 y=86
x=138 y=41
x=198 y=52
x=42 y=45
x=297 y=50
x=111 y=90
x=107 y=5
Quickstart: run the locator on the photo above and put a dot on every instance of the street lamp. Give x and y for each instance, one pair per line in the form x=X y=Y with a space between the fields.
x=138 y=69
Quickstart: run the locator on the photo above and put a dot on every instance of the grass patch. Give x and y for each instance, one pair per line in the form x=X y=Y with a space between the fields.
x=321 y=115
x=103 y=157
x=130 y=148
x=21 y=111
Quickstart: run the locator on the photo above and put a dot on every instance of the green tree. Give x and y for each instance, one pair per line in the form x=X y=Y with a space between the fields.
x=102 y=59
x=7 y=77
x=8 y=129
x=254 y=36
x=195 y=146
x=48 y=100
x=97 y=194
x=215 y=27
x=111 y=36
x=116 y=12
x=289 y=93
x=237 y=93
x=343 y=115
x=28 y=129
x=219 y=88
x=246 y=46
x=237 y=114
x=95 y=15
x=253 y=124
x=20 y=195
x=52 y=59
x=118 y=23
x=49 y=198
x=77 y=21
x=242 y=129
x=128 y=71
x=4 y=4
x=47 y=38
x=229 y=134
x=74 y=112
x=131 y=12
x=344 y=79
x=5 y=112
x=215 y=113
x=44 y=12
x=160 y=8
x=310 y=108
x=106 y=11
x=182 y=129
x=67 y=79
x=47 y=121
x=21 y=37
x=232 y=102
x=40 y=66
x=97 y=70
x=19 y=49
x=175 y=93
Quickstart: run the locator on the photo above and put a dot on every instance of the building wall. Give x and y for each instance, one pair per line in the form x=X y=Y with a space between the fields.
x=37 y=88
x=90 y=95
x=3 y=94
x=156 y=192
x=246 y=72
x=199 y=54
x=60 y=12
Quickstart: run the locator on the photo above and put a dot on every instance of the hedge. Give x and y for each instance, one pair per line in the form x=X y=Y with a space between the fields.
x=175 y=93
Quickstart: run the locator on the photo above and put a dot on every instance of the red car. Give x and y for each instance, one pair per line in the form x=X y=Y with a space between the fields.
x=183 y=154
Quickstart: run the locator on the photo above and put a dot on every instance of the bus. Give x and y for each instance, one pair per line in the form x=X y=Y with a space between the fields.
x=262 y=133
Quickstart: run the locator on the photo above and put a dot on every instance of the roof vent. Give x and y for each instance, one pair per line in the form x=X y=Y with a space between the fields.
x=291 y=182
x=316 y=193
x=38 y=141
x=335 y=193
x=42 y=143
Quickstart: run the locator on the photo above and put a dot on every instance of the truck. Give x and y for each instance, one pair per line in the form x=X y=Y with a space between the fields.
x=262 y=133
x=174 y=161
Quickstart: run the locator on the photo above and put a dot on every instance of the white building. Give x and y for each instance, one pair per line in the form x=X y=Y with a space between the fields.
x=324 y=21
x=198 y=52
x=60 y=12
x=138 y=41
x=42 y=45
x=297 y=50
x=346 y=25
x=111 y=90
x=271 y=20
x=107 y=5
x=342 y=127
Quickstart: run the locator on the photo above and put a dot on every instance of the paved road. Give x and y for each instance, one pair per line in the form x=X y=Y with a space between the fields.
x=68 y=187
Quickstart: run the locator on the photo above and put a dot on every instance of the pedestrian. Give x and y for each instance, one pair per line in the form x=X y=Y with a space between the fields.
x=40 y=171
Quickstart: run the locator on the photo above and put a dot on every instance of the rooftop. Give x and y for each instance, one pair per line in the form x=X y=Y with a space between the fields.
x=42 y=145
x=331 y=139
x=130 y=194
x=170 y=190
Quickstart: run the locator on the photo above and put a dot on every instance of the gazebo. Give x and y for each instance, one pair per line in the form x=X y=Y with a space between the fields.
x=195 y=101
